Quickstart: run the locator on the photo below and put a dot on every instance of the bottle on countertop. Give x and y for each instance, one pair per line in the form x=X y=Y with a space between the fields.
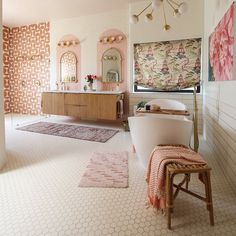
x=117 y=88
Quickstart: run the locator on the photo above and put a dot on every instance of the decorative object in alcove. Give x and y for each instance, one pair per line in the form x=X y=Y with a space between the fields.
x=176 y=6
x=68 y=67
x=90 y=79
x=111 y=66
x=221 y=48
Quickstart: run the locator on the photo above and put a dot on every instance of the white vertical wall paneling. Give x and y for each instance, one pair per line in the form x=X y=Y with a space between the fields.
x=220 y=99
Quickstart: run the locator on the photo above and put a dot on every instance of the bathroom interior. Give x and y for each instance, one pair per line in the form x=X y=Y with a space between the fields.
x=110 y=84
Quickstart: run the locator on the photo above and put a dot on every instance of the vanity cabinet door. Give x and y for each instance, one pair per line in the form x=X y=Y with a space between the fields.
x=107 y=107
x=76 y=105
x=76 y=110
x=76 y=99
x=92 y=108
x=53 y=103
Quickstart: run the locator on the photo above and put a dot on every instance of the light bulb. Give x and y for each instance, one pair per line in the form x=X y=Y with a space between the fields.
x=134 y=19
x=166 y=27
x=60 y=44
x=156 y=3
x=105 y=40
x=119 y=38
x=148 y=17
x=183 y=7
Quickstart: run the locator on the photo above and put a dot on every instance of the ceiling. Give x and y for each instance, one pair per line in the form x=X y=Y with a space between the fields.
x=23 y=12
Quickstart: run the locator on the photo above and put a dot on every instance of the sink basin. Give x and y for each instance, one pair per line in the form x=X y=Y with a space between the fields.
x=78 y=91
x=105 y=92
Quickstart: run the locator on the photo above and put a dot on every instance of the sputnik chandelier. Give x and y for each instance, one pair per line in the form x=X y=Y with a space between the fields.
x=178 y=8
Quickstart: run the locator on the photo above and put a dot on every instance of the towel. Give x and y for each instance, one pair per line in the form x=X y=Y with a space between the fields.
x=160 y=157
x=120 y=108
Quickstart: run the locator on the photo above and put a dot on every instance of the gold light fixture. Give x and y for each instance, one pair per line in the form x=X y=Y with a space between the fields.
x=176 y=6
x=111 y=39
x=68 y=43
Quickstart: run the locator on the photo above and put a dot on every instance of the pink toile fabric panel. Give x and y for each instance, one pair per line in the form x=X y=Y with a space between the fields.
x=168 y=65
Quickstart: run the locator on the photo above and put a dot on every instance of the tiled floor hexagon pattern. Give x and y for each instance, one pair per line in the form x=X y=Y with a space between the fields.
x=39 y=193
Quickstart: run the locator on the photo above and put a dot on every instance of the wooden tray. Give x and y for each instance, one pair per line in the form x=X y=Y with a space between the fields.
x=164 y=112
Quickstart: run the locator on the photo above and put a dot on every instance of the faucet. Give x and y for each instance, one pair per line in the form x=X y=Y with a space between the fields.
x=62 y=85
x=57 y=85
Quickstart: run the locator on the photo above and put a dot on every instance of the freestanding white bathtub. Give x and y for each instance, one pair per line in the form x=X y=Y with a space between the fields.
x=150 y=130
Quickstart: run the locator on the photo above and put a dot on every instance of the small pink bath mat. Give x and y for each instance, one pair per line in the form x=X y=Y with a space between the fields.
x=106 y=170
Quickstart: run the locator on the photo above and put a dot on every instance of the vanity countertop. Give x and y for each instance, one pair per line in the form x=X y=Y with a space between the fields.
x=78 y=91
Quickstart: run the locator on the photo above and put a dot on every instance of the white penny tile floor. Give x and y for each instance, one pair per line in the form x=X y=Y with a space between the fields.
x=39 y=193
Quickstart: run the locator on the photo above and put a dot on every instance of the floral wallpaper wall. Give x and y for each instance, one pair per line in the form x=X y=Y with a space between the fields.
x=221 y=48
x=26 y=67
x=168 y=65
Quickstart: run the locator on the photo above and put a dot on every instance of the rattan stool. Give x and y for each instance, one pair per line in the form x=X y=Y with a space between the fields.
x=174 y=169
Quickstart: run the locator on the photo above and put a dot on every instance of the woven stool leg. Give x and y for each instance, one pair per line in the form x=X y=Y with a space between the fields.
x=187 y=180
x=169 y=196
x=209 y=196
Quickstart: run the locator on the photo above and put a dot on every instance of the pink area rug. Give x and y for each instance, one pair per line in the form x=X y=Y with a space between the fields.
x=107 y=170
x=71 y=131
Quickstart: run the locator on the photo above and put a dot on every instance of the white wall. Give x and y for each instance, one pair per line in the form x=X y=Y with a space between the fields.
x=2 y=131
x=219 y=100
x=189 y=25
x=87 y=29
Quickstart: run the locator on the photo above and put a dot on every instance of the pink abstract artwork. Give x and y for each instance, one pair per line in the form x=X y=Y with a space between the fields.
x=221 y=48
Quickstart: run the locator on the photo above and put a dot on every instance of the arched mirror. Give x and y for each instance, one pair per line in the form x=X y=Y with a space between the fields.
x=111 y=66
x=68 y=67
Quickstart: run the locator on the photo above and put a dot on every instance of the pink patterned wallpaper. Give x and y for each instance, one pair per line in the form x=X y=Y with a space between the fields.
x=6 y=65
x=26 y=67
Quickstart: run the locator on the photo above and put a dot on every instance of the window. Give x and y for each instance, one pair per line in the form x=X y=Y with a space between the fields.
x=186 y=90
x=171 y=66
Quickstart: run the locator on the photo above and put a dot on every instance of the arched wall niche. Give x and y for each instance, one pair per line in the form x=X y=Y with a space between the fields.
x=113 y=38
x=69 y=43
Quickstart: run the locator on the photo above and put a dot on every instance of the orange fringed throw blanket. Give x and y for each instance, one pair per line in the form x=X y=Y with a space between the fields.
x=156 y=176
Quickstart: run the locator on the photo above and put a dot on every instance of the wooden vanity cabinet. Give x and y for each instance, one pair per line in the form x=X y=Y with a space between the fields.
x=87 y=106
x=53 y=103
